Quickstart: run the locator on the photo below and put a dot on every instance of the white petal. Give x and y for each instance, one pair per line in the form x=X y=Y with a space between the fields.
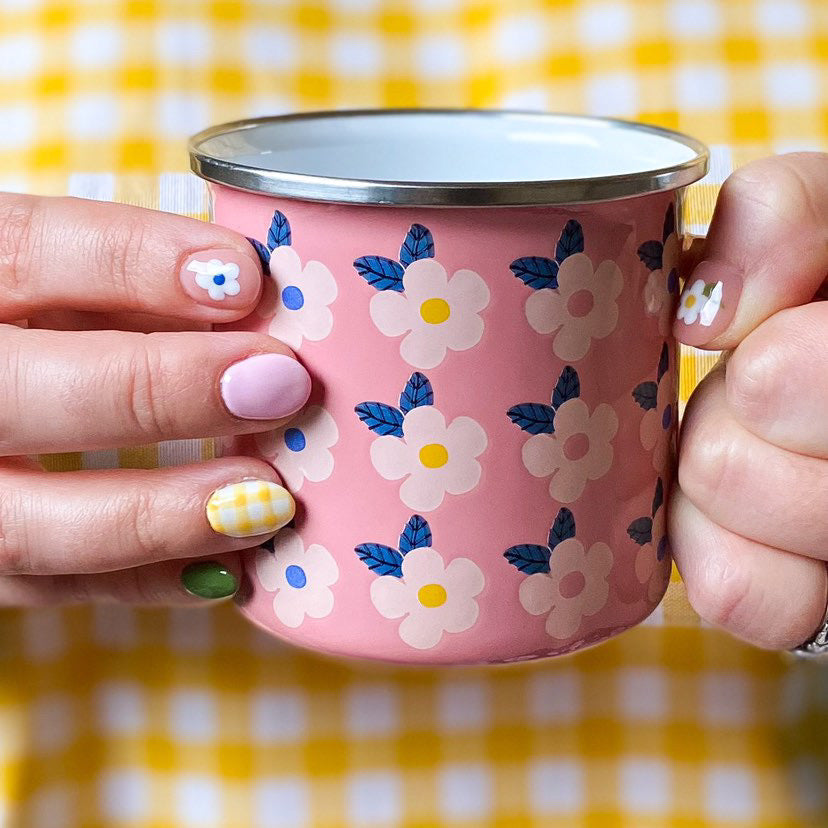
x=391 y=597
x=572 y=417
x=466 y=436
x=537 y=593
x=319 y=283
x=467 y=290
x=424 y=424
x=289 y=607
x=230 y=270
x=390 y=312
x=711 y=307
x=541 y=455
x=463 y=578
x=602 y=320
x=285 y=266
x=564 y=620
x=285 y=327
x=545 y=311
x=391 y=457
x=317 y=464
x=320 y=566
x=423 y=348
x=231 y=288
x=321 y=426
x=423 y=566
x=425 y=279
x=421 y=630
x=650 y=429
x=315 y=322
x=600 y=558
x=567 y=484
x=268 y=571
x=572 y=340
x=286 y=464
x=204 y=281
x=424 y=491
x=465 y=332
x=608 y=282
x=460 y=614
x=319 y=602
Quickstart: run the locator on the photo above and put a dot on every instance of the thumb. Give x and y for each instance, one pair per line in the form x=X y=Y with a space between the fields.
x=767 y=249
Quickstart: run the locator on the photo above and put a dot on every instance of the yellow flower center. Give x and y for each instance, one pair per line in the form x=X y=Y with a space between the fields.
x=431 y=595
x=433 y=455
x=435 y=311
x=690 y=301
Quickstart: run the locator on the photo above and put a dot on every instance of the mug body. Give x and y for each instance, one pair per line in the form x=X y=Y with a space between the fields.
x=481 y=471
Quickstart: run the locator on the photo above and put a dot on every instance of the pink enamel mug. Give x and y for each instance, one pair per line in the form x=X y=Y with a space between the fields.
x=484 y=300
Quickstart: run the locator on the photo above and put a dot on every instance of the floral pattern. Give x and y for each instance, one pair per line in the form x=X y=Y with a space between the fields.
x=661 y=259
x=435 y=458
x=301 y=451
x=416 y=297
x=700 y=301
x=301 y=578
x=569 y=443
x=570 y=299
x=296 y=299
x=565 y=580
x=417 y=585
x=218 y=278
x=650 y=533
x=657 y=399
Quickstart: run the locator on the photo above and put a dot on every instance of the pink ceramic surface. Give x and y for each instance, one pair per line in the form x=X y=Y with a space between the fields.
x=480 y=470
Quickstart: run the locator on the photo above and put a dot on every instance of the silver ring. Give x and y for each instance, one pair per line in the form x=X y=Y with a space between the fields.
x=817 y=644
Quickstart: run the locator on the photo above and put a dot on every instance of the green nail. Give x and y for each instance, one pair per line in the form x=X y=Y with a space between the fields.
x=208 y=579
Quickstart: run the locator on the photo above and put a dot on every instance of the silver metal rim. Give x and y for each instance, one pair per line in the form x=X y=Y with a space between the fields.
x=441 y=194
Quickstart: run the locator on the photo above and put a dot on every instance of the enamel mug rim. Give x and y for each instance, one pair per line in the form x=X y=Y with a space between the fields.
x=215 y=153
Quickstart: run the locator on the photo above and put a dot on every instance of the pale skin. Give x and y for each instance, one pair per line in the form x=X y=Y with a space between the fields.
x=747 y=518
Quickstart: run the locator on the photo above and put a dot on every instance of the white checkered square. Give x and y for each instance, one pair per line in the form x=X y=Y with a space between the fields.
x=646 y=786
x=281 y=802
x=44 y=635
x=197 y=800
x=556 y=786
x=463 y=704
x=121 y=707
x=92 y=116
x=791 y=85
x=190 y=631
x=521 y=38
x=272 y=47
x=52 y=806
x=776 y=18
x=18 y=122
x=356 y=6
x=20 y=56
x=180 y=115
x=371 y=710
x=439 y=56
x=730 y=792
x=100 y=186
x=53 y=722
x=465 y=791
x=193 y=716
x=374 y=798
x=612 y=93
x=808 y=781
x=356 y=54
x=694 y=18
x=642 y=694
x=114 y=627
x=530 y=97
x=125 y=795
x=183 y=43
x=604 y=24
x=701 y=87
x=555 y=695
x=278 y=716
x=725 y=698
x=96 y=46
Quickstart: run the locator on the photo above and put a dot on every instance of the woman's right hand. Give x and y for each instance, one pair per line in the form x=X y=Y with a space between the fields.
x=117 y=351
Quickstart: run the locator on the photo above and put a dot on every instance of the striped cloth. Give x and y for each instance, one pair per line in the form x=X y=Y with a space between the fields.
x=112 y=716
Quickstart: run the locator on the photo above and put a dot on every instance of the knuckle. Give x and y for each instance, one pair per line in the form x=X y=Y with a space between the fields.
x=710 y=457
x=120 y=252
x=145 y=377
x=754 y=381
x=21 y=240
x=720 y=591
x=139 y=532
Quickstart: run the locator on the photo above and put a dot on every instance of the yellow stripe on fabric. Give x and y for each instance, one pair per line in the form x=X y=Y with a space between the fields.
x=138 y=457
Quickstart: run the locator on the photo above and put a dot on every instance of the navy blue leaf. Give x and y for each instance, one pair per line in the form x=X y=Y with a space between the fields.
x=528 y=557
x=646 y=395
x=661 y=550
x=533 y=417
x=651 y=253
x=663 y=361
x=562 y=529
x=571 y=241
x=567 y=388
x=641 y=530
x=416 y=533
x=382 y=418
x=263 y=253
x=418 y=244
x=669 y=222
x=381 y=273
x=658 y=497
x=536 y=272
x=379 y=558
x=279 y=233
x=417 y=392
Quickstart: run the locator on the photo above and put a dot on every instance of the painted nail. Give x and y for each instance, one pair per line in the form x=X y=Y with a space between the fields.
x=222 y=278
x=209 y=579
x=249 y=508
x=708 y=303
x=265 y=387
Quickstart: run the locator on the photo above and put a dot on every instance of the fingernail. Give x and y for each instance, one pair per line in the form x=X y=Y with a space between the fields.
x=252 y=507
x=265 y=387
x=209 y=579
x=221 y=278
x=708 y=303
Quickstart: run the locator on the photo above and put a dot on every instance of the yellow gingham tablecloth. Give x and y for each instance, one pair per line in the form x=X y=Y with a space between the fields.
x=112 y=716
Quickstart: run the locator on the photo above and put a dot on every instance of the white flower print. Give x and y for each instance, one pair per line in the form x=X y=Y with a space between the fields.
x=576 y=587
x=655 y=430
x=218 y=278
x=661 y=285
x=582 y=308
x=296 y=299
x=301 y=578
x=435 y=458
x=578 y=451
x=692 y=302
x=301 y=451
x=431 y=597
x=436 y=312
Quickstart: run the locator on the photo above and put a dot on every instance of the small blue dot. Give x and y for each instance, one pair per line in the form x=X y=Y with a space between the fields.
x=293 y=297
x=219 y=279
x=667 y=417
x=662 y=548
x=672 y=281
x=295 y=576
x=295 y=439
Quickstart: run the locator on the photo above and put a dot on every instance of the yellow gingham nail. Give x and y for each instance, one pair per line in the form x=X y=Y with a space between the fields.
x=252 y=507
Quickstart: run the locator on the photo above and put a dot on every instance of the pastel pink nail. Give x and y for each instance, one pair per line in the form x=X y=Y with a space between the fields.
x=222 y=278
x=708 y=302
x=265 y=387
